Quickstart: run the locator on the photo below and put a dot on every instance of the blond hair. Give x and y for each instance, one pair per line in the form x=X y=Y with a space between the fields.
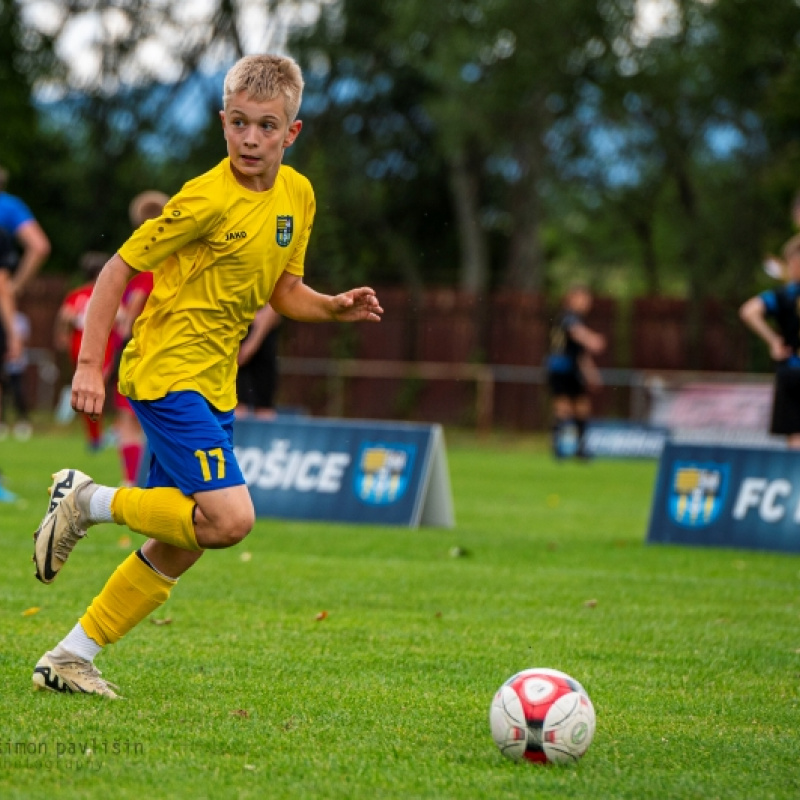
x=265 y=78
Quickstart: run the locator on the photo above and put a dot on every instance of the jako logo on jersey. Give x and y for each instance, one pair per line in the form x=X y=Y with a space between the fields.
x=697 y=493
x=383 y=472
x=285 y=469
x=284 y=230
x=232 y=235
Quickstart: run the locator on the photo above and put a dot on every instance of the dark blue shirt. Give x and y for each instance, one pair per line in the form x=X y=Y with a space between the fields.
x=13 y=214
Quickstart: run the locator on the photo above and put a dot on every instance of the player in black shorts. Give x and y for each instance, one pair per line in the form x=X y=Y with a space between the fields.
x=257 y=378
x=781 y=306
x=571 y=371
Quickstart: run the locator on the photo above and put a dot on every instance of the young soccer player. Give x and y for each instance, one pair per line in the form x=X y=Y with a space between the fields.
x=783 y=341
x=571 y=371
x=229 y=242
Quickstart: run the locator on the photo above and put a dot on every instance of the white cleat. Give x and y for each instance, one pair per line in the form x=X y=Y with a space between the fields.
x=61 y=671
x=63 y=526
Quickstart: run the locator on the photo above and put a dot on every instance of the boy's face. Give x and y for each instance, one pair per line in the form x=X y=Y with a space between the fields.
x=579 y=301
x=257 y=133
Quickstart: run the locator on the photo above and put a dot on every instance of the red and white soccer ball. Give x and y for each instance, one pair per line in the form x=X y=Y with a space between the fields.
x=543 y=716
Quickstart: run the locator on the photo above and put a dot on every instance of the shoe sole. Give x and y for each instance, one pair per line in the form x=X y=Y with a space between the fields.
x=65 y=483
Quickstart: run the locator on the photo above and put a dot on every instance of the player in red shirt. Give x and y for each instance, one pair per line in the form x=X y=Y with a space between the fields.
x=69 y=331
x=144 y=206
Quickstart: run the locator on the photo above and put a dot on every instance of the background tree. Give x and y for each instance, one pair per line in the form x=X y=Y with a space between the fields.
x=476 y=144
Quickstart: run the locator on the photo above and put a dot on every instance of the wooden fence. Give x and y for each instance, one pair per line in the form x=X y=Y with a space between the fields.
x=453 y=338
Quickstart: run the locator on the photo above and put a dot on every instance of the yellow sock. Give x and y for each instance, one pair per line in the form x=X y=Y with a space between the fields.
x=130 y=594
x=161 y=513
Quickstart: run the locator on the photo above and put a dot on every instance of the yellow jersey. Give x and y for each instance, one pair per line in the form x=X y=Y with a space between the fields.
x=216 y=252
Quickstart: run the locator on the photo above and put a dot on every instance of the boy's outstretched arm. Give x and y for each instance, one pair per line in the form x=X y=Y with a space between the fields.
x=294 y=299
x=88 y=383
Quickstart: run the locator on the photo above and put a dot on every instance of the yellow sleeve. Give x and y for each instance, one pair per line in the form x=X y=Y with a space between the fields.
x=296 y=264
x=187 y=217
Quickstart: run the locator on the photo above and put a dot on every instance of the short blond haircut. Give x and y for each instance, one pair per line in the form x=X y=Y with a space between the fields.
x=265 y=78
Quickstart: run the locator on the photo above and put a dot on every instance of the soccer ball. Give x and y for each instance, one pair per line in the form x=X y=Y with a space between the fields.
x=542 y=715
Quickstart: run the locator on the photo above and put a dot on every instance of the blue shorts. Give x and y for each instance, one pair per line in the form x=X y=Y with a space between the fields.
x=191 y=443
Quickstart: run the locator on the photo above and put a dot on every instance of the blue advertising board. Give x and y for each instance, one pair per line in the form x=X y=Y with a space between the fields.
x=615 y=439
x=727 y=497
x=348 y=471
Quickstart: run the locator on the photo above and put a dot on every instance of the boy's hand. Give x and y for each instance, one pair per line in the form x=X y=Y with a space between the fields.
x=357 y=305
x=779 y=350
x=88 y=390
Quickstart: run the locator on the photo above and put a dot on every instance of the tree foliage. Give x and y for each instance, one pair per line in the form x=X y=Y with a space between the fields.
x=475 y=143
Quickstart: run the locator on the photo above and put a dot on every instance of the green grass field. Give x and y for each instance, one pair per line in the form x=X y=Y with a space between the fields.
x=691 y=656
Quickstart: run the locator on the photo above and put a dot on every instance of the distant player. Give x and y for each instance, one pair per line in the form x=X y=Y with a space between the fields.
x=11 y=346
x=782 y=337
x=24 y=233
x=130 y=436
x=257 y=380
x=227 y=244
x=18 y=230
x=69 y=329
x=571 y=371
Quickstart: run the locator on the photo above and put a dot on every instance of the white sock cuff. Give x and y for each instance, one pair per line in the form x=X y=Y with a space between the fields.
x=100 y=504
x=80 y=644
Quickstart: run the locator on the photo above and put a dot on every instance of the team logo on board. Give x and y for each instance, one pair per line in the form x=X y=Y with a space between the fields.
x=383 y=472
x=697 y=492
x=285 y=228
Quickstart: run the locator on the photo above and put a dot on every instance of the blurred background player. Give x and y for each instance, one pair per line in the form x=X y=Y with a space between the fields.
x=18 y=230
x=257 y=378
x=130 y=437
x=10 y=346
x=21 y=230
x=12 y=378
x=70 y=322
x=783 y=340
x=571 y=371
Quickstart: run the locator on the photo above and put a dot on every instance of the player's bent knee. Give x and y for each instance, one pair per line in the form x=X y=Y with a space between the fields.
x=236 y=530
x=223 y=518
x=229 y=530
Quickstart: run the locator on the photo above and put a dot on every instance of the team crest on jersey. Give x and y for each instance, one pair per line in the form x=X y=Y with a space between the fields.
x=383 y=472
x=697 y=492
x=285 y=228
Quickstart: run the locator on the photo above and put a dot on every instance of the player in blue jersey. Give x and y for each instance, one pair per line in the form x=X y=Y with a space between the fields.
x=782 y=337
x=571 y=371
x=18 y=230
x=21 y=232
